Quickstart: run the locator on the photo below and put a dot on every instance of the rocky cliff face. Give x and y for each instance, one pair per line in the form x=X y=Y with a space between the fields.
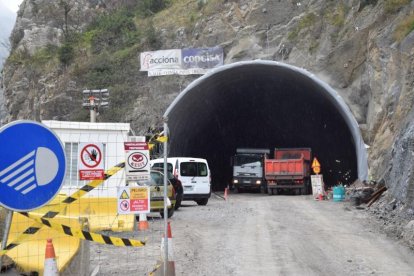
x=363 y=49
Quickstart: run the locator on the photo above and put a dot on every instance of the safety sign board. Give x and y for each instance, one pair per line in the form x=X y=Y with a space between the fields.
x=137 y=165
x=317 y=185
x=133 y=200
x=32 y=165
x=91 y=164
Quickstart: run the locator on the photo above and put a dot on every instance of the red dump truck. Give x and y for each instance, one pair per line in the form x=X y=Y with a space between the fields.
x=289 y=170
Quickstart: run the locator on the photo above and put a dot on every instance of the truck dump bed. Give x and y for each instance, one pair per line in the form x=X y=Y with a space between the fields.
x=281 y=169
x=290 y=169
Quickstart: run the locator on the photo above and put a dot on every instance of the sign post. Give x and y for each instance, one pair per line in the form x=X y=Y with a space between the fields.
x=7 y=225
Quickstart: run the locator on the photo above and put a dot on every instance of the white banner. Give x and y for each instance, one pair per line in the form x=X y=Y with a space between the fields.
x=165 y=72
x=164 y=59
x=189 y=61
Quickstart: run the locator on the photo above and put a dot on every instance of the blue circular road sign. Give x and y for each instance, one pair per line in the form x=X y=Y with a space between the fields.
x=32 y=165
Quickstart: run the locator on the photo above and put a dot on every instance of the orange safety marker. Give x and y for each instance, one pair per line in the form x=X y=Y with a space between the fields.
x=316 y=166
x=143 y=222
x=225 y=193
x=170 y=244
x=166 y=268
x=50 y=268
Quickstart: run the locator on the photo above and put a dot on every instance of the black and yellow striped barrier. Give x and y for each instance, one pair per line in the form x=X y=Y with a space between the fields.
x=36 y=226
x=84 y=235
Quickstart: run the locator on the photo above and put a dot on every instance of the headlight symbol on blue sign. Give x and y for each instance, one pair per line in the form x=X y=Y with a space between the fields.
x=32 y=165
x=26 y=174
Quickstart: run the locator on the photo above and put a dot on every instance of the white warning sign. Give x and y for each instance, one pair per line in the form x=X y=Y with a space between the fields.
x=134 y=200
x=137 y=165
x=317 y=185
x=91 y=165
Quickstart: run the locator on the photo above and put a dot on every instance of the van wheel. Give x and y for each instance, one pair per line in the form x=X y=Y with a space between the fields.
x=202 y=202
x=170 y=212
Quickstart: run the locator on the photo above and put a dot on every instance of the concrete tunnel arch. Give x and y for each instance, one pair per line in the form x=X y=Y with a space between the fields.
x=265 y=104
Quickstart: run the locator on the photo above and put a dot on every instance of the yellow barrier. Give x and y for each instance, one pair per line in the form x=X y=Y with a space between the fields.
x=101 y=214
x=98 y=214
x=30 y=255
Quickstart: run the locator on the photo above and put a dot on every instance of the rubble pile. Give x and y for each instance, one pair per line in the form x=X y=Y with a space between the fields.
x=390 y=215
x=361 y=192
x=395 y=218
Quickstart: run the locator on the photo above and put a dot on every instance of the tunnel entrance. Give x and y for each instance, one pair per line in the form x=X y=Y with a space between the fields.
x=265 y=104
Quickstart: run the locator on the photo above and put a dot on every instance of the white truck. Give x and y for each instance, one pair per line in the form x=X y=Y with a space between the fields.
x=248 y=170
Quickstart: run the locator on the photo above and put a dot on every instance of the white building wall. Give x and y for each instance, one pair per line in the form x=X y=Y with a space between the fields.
x=112 y=135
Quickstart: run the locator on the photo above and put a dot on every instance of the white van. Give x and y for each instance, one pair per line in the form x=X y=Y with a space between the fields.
x=193 y=173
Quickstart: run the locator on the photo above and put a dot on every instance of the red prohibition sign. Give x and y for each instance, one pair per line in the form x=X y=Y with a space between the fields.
x=124 y=205
x=95 y=157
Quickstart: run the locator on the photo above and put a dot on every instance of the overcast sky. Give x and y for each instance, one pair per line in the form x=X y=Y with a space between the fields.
x=13 y=5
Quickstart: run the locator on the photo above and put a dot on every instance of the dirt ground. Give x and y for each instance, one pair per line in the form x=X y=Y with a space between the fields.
x=254 y=234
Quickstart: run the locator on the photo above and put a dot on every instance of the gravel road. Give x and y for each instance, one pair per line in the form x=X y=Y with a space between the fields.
x=255 y=234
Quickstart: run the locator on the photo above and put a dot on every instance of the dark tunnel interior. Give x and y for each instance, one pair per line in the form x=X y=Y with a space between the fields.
x=261 y=106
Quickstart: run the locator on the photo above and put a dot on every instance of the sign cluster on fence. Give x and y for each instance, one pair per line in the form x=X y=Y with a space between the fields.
x=133 y=200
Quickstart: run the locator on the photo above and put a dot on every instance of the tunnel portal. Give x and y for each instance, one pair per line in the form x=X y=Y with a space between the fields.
x=265 y=104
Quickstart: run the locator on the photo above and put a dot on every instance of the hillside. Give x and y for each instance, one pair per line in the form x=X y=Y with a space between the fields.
x=363 y=49
x=7 y=20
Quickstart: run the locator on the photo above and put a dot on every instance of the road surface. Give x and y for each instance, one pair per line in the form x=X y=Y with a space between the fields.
x=254 y=234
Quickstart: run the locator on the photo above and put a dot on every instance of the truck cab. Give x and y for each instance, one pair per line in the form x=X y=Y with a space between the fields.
x=248 y=169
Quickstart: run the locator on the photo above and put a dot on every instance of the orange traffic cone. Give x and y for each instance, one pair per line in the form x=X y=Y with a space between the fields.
x=170 y=265
x=50 y=268
x=143 y=222
x=170 y=245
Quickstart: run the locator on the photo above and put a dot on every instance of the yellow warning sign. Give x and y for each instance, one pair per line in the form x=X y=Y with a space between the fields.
x=139 y=193
x=316 y=166
x=124 y=195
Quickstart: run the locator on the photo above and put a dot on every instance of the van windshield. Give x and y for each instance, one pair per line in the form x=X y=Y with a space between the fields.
x=193 y=169
x=160 y=167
